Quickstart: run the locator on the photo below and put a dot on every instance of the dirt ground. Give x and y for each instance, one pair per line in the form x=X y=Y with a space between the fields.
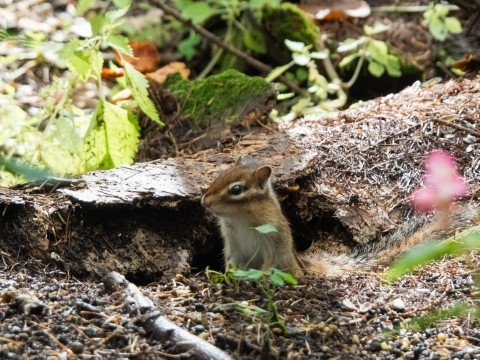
x=355 y=316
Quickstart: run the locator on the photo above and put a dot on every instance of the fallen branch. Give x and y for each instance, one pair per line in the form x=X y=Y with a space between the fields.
x=158 y=325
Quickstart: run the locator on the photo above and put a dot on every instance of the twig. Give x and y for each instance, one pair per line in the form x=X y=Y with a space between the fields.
x=10 y=341
x=109 y=337
x=217 y=41
x=57 y=342
x=158 y=325
x=456 y=126
x=258 y=122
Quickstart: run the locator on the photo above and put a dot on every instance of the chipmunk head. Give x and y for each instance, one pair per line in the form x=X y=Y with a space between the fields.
x=237 y=188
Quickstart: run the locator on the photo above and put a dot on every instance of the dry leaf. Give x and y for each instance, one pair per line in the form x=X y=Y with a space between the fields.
x=146 y=56
x=112 y=73
x=161 y=74
x=124 y=94
x=470 y=63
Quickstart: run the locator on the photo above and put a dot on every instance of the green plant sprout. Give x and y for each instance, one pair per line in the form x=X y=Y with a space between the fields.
x=439 y=23
x=268 y=283
x=321 y=88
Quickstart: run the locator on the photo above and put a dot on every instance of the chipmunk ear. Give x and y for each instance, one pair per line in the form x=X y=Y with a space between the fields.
x=240 y=160
x=262 y=175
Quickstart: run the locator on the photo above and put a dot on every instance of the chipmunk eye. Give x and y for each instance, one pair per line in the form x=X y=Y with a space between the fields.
x=236 y=189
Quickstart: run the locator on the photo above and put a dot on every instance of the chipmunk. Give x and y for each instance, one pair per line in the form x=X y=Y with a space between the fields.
x=243 y=198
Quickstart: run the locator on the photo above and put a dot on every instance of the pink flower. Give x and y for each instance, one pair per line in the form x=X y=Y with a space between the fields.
x=442 y=183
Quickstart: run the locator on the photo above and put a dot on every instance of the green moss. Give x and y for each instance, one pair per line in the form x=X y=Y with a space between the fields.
x=224 y=97
x=287 y=21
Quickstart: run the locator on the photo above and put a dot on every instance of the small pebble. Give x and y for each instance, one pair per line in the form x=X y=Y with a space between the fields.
x=384 y=346
x=195 y=316
x=405 y=344
x=198 y=328
x=441 y=337
x=15 y=329
x=347 y=304
x=398 y=304
x=11 y=356
x=364 y=308
x=204 y=335
x=375 y=346
x=415 y=339
x=76 y=347
x=356 y=339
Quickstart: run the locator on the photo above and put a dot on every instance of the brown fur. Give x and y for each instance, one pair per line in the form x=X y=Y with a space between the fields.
x=243 y=246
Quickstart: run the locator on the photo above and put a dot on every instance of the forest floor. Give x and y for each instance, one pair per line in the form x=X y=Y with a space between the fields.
x=354 y=316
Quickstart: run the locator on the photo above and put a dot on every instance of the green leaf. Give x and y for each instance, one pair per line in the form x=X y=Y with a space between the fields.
x=440 y=10
x=350 y=44
x=265 y=229
x=320 y=55
x=84 y=5
x=453 y=25
x=28 y=171
x=278 y=71
x=97 y=24
x=250 y=310
x=113 y=15
x=375 y=68
x=255 y=41
x=348 y=59
x=428 y=14
x=378 y=50
x=84 y=62
x=138 y=85
x=301 y=74
x=199 y=12
x=301 y=59
x=112 y=139
x=295 y=46
x=377 y=28
x=256 y=4
x=457 y=244
x=187 y=46
x=62 y=151
x=438 y=29
x=122 y=3
x=120 y=43
x=279 y=277
x=250 y=274
x=277 y=280
x=393 y=66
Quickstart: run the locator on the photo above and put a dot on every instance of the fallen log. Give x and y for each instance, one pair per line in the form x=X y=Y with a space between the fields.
x=345 y=176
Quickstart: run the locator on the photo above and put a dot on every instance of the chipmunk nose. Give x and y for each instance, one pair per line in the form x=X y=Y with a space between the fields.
x=205 y=201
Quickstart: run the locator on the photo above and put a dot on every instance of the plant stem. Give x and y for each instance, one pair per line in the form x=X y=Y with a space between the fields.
x=354 y=77
x=327 y=63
